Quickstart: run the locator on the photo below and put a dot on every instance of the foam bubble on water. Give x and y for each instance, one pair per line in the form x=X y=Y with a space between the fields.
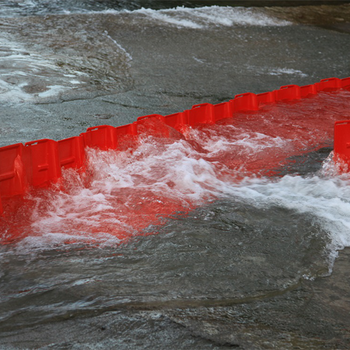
x=276 y=71
x=243 y=141
x=174 y=168
x=169 y=18
x=289 y=71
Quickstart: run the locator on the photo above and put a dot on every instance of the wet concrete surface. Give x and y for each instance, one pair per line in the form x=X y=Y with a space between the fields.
x=309 y=315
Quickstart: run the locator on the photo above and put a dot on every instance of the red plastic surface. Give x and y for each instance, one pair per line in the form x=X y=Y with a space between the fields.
x=176 y=120
x=126 y=136
x=13 y=177
x=245 y=102
x=103 y=137
x=46 y=168
x=345 y=82
x=342 y=141
x=265 y=98
x=222 y=111
x=329 y=84
x=153 y=124
x=201 y=114
x=308 y=90
x=288 y=93
x=71 y=152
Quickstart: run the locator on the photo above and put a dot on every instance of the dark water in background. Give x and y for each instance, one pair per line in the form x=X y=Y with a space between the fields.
x=237 y=270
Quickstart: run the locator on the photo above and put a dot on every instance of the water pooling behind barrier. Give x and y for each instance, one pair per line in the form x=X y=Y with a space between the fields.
x=41 y=163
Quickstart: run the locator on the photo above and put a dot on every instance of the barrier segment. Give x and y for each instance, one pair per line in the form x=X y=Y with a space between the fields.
x=288 y=93
x=329 y=84
x=71 y=152
x=126 y=136
x=345 y=82
x=222 y=111
x=13 y=170
x=342 y=142
x=46 y=168
x=176 y=120
x=102 y=137
x=245 y=102
x=308 y=90
x=200 y=114
x=266 y=98
x=153 y=124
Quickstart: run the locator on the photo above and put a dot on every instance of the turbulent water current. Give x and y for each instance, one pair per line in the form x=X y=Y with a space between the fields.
x=213 y=238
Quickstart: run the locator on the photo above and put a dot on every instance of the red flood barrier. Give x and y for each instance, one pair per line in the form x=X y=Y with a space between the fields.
x=329 y=84
x=200 y=114
x=288 y=92
x=245 y=102
x=153 y=124
x=45 y=164
x=39 y=163
x=103 y=137
x=342 y=144
x=71 y=152
x=13 y=165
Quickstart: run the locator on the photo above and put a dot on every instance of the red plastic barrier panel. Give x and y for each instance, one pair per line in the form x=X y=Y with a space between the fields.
x=46 y=167
x=176 y=120
x=329 y=84
x=1 y=209
x=201 y=114
x=126 y=136
x=222 y=111
x=308 y=90
x=153 y=124
x=245 y=102
x=13 y=164
x=266 y=97
x=71 y=152
x=345 y=83
x=342 y=141
x=102 y=137
x=288 y=93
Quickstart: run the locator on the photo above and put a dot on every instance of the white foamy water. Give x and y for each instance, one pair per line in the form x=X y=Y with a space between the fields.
x=204 y=17
x=181 y=16
x=288 y=71
x=239 y=140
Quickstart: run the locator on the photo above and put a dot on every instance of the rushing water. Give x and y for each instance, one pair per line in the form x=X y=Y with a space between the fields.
x=160 y=245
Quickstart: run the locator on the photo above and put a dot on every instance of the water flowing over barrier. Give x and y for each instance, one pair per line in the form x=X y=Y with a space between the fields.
x=40 y=163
